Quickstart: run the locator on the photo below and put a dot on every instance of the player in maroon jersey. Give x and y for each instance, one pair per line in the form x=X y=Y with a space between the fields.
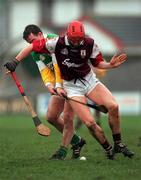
x=34 y=36
x=73 y=51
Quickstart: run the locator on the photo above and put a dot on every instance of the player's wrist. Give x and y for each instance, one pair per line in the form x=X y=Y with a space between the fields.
x=58 y=85
x=16 y=61
x=48 y=84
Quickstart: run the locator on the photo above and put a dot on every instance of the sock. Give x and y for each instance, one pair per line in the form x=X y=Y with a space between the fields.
x=62 y=151
x=75 y=140
x=117 y=138
x=106 y=145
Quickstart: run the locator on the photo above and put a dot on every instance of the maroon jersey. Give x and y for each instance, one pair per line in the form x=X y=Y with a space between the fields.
x=73 y=62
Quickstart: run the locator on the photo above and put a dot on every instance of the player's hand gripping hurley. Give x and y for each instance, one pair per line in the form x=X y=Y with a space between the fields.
x=100 y=108
x=41 y=129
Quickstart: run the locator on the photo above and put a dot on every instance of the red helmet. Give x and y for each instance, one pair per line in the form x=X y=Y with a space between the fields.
x=75 y=32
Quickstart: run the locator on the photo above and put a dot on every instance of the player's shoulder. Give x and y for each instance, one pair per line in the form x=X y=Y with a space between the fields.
x=51 y=35
x=62 y=39
x=53 y=40
x=51 y=43
x=89 y=40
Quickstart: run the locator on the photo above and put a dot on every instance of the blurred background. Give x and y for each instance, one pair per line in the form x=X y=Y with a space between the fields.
x=114 y=24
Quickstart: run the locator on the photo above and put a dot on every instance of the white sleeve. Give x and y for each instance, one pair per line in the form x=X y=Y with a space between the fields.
x=95 y=51
x=54 y=58
x=51 y=44
x=40 y=65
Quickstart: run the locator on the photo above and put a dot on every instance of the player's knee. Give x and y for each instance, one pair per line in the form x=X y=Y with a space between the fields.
x=51 y=118
x=94 y=128
x=113 y=108
x=68 y=124
x=68 y=117
x=89 y=123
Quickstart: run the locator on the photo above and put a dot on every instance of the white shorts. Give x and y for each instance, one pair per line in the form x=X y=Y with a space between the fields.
x=81 y=87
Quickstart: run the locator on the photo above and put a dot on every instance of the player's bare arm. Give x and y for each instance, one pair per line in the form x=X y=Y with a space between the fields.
x=24 y=53
x=11 y=66
x=116 y=61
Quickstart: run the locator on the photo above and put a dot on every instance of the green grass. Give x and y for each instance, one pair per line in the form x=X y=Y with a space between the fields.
x=24 y=154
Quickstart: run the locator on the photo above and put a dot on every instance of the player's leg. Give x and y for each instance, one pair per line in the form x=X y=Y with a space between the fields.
x=78 y=123
x=68 y=125
x=98 y=117
x=101 y=95
x=55 y=108
x=76 y=141
x=68 y=132
x=85 y=115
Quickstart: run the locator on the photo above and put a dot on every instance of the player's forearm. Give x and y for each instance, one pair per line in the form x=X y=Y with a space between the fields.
x=24 y=53
x=47 y=76
x=49 y=82
x=58 y=78
x=11 y=66
x=104 y=65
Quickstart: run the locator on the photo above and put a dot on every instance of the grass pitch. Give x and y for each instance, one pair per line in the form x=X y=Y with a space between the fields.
x=24 y=154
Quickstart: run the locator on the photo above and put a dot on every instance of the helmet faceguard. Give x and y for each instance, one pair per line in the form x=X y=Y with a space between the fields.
x=75 y=33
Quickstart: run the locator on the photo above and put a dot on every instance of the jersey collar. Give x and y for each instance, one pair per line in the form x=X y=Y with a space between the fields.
x=66 y=41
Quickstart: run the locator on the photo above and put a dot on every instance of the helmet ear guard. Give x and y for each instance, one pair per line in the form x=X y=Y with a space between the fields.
x=75 y=33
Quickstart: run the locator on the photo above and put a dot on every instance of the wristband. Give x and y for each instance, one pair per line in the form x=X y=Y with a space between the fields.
x=16 y=61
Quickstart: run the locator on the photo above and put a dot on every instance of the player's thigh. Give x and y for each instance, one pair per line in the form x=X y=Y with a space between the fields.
x=101 y=95
x=82 y=111
x=55 y=106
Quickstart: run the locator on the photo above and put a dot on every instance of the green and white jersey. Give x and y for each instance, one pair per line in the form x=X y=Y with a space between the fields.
x=43 y=59
x=45 y=64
